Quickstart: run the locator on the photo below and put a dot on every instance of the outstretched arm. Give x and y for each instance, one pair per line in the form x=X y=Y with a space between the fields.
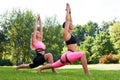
x=35 y=30
x=41 y=29
x=70 y=14
x=67 y=22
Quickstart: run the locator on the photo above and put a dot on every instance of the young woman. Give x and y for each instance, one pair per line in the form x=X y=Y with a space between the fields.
x=71 y=55
x=39 y=47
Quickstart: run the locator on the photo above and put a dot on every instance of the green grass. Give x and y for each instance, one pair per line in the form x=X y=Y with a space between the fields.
x=7 y=73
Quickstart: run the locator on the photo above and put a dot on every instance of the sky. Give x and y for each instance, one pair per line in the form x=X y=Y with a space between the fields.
x=82 y=10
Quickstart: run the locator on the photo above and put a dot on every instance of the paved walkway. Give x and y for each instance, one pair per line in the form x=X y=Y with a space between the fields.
x=95 y=67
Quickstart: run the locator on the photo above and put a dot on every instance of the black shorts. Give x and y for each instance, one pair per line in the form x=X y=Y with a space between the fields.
x=38 y=60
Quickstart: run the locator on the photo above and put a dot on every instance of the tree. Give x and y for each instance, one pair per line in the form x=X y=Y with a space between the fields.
x=82 y=31
x=2 y=41
x=97 y=45
x=102 y=45
x=115 y=35
x=79 y=32
x=17 y=26
x=105 y=26
x=91 y=28
x=86 y=46
x=52 y=32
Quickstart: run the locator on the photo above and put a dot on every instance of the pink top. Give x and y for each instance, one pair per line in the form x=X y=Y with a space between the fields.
x=39 y=44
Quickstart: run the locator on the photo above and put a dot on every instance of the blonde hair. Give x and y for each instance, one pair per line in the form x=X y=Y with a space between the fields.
x=31 y=46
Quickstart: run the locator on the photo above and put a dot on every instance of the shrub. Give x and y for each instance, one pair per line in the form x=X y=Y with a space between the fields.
x=106 y=59
x=118 y=56
x=5 y=62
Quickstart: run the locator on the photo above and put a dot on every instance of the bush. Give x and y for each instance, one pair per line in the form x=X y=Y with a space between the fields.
x=5 y=62
x=106 y=59
x=118 y=56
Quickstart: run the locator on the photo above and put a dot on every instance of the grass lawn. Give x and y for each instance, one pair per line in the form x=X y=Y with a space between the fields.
x=7 y=73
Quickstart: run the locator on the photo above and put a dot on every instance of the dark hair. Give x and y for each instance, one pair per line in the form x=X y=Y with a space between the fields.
x=63 y=25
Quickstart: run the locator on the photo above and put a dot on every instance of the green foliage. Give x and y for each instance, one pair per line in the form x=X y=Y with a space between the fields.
x=53 y=39
x=82 y=31
x=86 y=46
x=2 y=41
x=79 y=32
x=101 y=46
x=104 y=26
x=5 y=62
x=17 y=26
x=91 y=28
x=115 y=35
x=97 y=45
x=118 y=57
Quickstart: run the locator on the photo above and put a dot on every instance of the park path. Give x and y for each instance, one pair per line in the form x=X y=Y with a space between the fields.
x=94 y=66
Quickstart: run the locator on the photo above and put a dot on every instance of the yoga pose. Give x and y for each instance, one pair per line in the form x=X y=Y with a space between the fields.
x=71 y=55
x=39 y=47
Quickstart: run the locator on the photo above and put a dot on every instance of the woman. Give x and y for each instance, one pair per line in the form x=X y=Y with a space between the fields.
x=39 y=47
x=71 y=55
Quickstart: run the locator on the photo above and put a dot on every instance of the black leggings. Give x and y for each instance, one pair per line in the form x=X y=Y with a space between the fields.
x=38 y=60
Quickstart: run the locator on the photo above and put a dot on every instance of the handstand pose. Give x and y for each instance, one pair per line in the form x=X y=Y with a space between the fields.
x=39 y=47
x=71 y=55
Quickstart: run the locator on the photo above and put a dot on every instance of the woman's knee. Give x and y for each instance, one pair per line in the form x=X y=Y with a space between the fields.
x=83 y=55
x=48 y=55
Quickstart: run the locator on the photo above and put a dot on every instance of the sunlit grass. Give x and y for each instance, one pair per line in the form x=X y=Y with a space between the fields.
x=7 y=73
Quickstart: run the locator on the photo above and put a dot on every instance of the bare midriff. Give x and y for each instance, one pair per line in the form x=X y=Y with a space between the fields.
x=72 y=47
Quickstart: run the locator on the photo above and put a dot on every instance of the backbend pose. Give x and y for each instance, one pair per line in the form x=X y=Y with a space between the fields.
x=71 y=55
x=39 y=47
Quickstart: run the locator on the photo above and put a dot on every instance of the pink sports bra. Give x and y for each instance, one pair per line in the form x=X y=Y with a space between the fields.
x=39 y=44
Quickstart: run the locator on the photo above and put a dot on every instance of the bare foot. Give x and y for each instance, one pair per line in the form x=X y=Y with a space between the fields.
x=54 y=70
x=88 y=73
x=39 y=70
x=15 y=68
